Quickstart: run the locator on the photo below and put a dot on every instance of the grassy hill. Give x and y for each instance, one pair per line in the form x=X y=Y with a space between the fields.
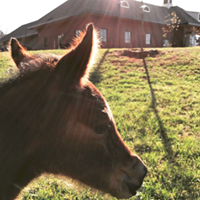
x=166 y=135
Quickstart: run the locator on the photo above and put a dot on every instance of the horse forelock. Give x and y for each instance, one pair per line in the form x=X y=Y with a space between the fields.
x=38 y=62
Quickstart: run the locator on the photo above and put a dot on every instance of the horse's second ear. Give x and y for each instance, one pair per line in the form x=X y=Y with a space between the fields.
x=18 y=53
x=75 y=65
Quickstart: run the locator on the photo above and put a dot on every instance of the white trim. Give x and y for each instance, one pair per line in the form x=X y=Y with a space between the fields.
x=165 y=43
x=103 y=35
x=192 y=40
x=146 y=7
x=148 y=38
x=124 y=4
x=168 y=4
x=127 y=37
x=78 y=32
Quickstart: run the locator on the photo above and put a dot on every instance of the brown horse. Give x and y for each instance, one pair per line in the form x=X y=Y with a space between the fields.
x=54 y=120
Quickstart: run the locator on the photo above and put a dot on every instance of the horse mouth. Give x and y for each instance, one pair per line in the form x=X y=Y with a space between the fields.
x=132 y=188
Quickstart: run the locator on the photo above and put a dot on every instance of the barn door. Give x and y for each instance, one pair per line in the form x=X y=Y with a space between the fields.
x=190 y=40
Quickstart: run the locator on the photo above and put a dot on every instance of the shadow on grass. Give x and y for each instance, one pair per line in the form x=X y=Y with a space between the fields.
x=165 y=140
x=95 y=76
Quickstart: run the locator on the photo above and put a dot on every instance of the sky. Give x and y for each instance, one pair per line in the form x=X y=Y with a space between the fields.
x=15 y=13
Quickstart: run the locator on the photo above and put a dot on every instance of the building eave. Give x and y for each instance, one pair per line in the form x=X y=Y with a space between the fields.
x=193 y=24
x=18 y=37
x=27 y=35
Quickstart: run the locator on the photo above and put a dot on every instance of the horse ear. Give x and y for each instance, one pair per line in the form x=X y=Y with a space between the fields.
x=18 y=53
x=74 y=66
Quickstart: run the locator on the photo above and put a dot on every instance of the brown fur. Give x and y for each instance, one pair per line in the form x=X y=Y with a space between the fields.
x=52 y=121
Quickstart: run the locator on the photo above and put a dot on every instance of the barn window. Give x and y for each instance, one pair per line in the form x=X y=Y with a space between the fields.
x=60 y=45
x=166 y=43
x=103 y=35
x=148 y=38
x=192 y=41
x=45 y=41
x=167 y=1
x=78 y=32
x=146 y=9
x=127 y=37
x=124 y=4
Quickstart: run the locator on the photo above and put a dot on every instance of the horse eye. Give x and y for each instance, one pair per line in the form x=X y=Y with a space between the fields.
x=101 y=129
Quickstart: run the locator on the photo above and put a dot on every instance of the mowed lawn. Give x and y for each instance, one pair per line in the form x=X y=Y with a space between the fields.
x=169 y=147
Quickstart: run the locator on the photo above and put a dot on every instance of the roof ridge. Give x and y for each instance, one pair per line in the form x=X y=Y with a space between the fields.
x=185 y=15
x=192 y=11
x=189 y=15
x=25 y=26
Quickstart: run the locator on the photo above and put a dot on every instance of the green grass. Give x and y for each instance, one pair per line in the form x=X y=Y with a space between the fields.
x=173 y=163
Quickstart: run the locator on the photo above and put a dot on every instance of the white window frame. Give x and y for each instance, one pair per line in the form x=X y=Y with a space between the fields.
x=127 y=37
x=103 y=35
x=124 y=4
x=78 y=32
x=60 y=37
x=192 y=40
x=146 y=9
x=167 y=1
x=166 y=43
x=148 y=38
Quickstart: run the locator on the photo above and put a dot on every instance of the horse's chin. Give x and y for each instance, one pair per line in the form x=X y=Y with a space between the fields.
x=127 y=191
x=125 y=195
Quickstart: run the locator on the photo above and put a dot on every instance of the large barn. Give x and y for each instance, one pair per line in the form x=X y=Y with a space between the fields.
x=119 y=23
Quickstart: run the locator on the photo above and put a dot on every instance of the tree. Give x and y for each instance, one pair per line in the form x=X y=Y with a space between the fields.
x=195 y=31
x=2 y=34
x=173 y=24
